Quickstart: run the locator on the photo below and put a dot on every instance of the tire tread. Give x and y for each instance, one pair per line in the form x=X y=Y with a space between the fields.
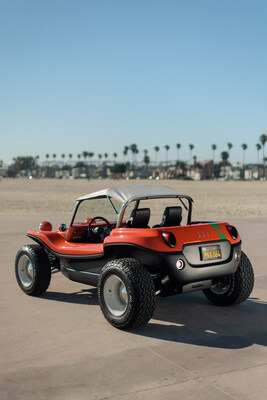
x=143 y=288
x=241 y=288
x=42 y=269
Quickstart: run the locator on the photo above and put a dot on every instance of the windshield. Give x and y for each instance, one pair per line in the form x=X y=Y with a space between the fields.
x=91 y=208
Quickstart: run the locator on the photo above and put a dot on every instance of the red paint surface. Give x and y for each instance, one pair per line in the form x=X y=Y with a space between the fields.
x=148 y=238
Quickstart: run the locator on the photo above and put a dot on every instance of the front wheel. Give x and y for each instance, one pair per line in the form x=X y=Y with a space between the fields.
x=235 y=288
x=126 y=293
x=32 y=269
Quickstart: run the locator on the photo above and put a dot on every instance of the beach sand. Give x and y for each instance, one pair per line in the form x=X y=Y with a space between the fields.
x=214 y=199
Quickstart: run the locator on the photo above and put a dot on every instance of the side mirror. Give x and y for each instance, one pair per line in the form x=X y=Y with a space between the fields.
x=62 y=228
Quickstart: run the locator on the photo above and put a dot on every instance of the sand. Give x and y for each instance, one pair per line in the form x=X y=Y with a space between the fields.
x=214 y=199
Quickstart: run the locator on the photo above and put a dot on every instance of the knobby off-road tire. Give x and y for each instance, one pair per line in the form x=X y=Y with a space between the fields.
x=126 y=293
x=32 y=269
x=233 y=289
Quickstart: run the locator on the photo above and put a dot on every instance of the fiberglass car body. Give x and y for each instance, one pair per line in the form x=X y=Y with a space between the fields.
x=133 y=243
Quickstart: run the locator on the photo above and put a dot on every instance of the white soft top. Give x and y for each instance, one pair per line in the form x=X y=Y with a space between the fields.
x=126 y=194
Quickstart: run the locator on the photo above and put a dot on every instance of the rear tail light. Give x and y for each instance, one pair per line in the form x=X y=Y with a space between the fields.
x=169 y=238
x=233 y=231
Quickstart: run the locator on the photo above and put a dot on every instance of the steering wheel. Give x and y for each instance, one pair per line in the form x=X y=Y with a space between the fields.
x=99 y=232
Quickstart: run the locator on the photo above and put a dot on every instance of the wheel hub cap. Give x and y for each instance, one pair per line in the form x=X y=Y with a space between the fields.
x=25 y=271
x=222 y=286
x=115 y=295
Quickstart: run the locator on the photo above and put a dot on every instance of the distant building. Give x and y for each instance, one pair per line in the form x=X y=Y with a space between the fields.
x=254 y=172
x=208 y=170
x=3 y=171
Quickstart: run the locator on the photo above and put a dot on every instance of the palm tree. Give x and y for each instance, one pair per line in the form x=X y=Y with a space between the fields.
x=91 y=155
x=191 y=146
x=244 y=147
x=99 y=157
x=63 y=157
x=145 y=155
x=37 y=166
x=125 y=152
x=178 y=146
x=85 y=154
x=79 y=156
x=167 y=148
x=263 y=139
x=47 y=157
x=115 y=155
x=145 y=152
x=229 y=145
x=137 y=152
x=224 y=157
x=89 y=170
x=146 y=158
x=70 y=157
x=213 y=147
x=134 y=151
x=156 y=148
x=258 y=146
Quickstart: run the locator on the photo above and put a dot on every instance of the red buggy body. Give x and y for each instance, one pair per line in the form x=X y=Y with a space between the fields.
x=113 y=243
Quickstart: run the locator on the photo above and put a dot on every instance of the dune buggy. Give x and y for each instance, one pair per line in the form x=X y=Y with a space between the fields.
x=133 y=243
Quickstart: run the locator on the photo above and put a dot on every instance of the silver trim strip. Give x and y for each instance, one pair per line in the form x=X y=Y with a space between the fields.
x=82 y=272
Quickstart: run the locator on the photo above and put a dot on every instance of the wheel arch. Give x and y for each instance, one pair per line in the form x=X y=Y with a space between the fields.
x=53 y=257
x=150 y=259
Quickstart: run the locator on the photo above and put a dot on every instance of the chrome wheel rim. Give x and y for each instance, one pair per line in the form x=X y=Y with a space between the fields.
x=115 y=295
x=25 y=271
x=222 y=286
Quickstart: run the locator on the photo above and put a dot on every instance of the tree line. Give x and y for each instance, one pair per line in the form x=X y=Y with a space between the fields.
x=29 y=162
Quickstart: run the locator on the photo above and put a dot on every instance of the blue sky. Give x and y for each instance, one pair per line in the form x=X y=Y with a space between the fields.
x=100 y=75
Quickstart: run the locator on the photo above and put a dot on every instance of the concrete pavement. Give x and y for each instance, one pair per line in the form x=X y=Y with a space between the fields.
x=59 y=346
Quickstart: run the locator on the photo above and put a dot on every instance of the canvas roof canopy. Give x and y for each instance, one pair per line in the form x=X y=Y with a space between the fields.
x=126 y=194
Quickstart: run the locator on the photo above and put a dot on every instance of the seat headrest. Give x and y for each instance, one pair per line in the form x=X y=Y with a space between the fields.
x=172 y=216
x=139 y=218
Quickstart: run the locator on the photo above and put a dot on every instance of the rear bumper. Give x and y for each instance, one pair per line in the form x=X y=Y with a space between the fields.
x=201 y=271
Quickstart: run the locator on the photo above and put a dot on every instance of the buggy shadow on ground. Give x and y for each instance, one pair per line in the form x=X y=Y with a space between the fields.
x=83 y=296
x=191 y=319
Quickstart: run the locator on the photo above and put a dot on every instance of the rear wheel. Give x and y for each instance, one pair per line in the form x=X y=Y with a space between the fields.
x=32 y=269
x=235 y=288
x=126 y=293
